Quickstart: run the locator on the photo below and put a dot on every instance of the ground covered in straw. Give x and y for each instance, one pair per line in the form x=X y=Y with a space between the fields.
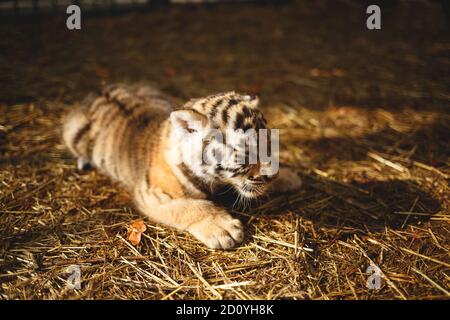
x=364 y=119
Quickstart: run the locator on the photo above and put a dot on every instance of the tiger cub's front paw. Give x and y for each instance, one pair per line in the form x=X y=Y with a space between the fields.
x=218 y=231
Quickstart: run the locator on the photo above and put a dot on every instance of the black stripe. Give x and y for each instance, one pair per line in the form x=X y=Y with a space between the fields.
x=241 y=171
x=264 y=121
x=198 y=182
x=218 y=167
x=225 y=115
x=260 y=124
x=235 y=170
x=127 y=103
x=232 y=102
x=122 y=107
x=214 y=108
x=110 y=88
x=139 y=121
x=239 y=121
x=80 y=133
x=147 y=178
x=247 y=126
x=90 y=148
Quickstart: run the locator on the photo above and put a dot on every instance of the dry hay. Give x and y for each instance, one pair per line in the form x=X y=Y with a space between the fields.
x=375 y=177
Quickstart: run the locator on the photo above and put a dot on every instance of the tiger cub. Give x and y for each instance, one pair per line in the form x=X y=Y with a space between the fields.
x=135 y=135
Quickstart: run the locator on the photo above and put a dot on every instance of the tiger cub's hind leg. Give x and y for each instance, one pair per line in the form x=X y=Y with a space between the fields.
x=76 y=136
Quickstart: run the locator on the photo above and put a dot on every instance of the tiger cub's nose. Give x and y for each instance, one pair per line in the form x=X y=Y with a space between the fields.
x=257 y=176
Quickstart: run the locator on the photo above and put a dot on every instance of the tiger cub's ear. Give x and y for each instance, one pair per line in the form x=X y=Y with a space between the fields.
x=187 y=121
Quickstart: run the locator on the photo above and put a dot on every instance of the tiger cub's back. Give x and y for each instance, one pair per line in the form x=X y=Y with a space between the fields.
x=117 y=130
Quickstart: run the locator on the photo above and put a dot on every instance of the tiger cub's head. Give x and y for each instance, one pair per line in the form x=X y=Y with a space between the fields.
x=223 y=139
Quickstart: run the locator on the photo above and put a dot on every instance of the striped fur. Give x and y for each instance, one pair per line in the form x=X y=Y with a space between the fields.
x=135 y=135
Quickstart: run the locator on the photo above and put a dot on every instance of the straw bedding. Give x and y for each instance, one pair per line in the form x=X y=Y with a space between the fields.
x=364 y=120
